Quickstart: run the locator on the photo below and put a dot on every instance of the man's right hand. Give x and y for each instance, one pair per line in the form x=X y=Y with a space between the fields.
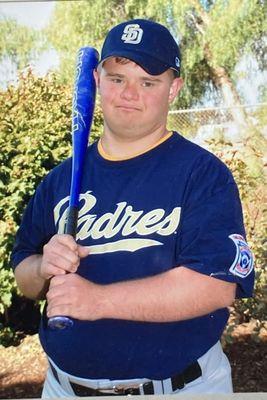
x=60 y=256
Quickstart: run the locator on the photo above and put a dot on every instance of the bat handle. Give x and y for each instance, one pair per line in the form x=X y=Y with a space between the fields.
x=71 y=223
x=63 y=322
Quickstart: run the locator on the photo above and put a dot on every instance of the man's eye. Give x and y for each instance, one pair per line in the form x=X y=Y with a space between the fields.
x=116 y=80
x=147 y=84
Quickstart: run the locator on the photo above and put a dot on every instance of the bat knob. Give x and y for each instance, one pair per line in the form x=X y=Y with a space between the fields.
x=60 y=322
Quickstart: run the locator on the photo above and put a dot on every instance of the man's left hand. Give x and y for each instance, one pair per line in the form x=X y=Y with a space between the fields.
x=75 y=297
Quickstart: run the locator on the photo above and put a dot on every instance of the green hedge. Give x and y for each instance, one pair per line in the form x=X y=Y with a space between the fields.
x=35 y=135
x=246 y=163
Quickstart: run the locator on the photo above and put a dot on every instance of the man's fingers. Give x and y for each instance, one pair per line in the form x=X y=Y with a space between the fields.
x=59 y=309
x=53 y=270
x=67 y=262
x=83 y=251
x=58 y=300
x=58 y=280
x=56 y=247
x=61 y=252
x=66 y=240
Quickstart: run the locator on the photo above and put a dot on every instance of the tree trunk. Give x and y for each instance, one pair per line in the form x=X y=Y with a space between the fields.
x=231 y=98
x=219 y=76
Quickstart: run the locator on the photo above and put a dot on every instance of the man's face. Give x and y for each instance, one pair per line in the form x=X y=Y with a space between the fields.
x=134 y=103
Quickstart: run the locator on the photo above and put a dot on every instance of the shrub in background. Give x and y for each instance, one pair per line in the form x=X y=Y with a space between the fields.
x=250 y=178
x=35 y=135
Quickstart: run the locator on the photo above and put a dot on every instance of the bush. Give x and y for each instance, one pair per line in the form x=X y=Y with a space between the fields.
x=251 y=183
x=35 y=135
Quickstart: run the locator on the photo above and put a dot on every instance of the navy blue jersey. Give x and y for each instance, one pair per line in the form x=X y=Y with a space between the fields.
x=174 y=205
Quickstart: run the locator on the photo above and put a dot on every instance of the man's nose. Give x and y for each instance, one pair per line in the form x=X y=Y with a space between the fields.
x=130 y=92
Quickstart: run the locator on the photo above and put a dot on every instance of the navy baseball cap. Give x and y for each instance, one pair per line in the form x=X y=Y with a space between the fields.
x=147 y=43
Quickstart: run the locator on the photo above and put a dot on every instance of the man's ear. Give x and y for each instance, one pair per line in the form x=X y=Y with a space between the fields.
x=175 y=88
x=97 y=78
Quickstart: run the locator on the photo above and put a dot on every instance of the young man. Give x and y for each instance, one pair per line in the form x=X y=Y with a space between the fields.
x=160 y=250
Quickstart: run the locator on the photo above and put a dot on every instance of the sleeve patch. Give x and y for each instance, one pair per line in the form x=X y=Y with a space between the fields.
x=243 y=263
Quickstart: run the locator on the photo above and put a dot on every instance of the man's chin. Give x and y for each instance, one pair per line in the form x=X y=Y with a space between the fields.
x=127 y=130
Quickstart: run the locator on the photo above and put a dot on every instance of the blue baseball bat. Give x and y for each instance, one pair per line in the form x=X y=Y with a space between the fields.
x=83 y=105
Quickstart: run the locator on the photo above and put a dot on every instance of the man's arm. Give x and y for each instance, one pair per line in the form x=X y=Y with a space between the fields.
x=29 y=280
x=175 y=295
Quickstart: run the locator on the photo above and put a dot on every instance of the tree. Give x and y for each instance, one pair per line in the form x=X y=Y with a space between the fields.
x=18 y=44
x=81 y=23
x=213 y=36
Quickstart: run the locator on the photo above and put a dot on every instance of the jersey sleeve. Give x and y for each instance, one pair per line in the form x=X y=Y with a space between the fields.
x=33 y=232
x=211 y=238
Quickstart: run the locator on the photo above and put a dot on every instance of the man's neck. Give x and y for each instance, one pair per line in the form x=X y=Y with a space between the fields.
x=117 y=147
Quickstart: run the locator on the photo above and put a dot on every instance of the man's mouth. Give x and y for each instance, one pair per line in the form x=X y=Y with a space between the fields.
x=128 y=107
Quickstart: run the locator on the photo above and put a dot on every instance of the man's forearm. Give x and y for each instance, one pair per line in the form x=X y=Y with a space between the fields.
x=175 y=295
x=29 y=280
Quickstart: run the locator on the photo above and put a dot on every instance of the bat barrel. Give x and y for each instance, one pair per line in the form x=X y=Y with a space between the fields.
x=82 y=115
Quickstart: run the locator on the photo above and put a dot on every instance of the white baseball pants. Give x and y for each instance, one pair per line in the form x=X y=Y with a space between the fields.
x=216 y=378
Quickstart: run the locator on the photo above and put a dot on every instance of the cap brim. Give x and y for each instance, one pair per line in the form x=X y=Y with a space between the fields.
x=152 y=66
